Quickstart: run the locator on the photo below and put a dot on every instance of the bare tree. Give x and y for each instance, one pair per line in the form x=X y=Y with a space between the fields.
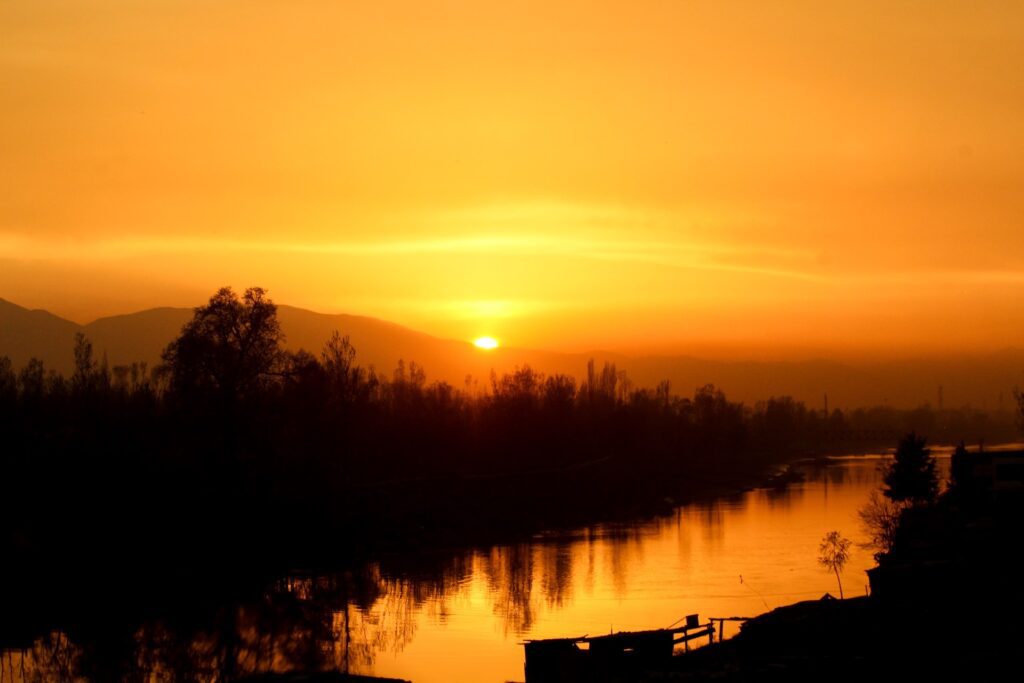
x=880 y=518
x=835 y=551
x=85 y=364
x=338 y=359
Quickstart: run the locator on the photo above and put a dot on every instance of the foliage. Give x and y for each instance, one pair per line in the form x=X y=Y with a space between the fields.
x=235 y=441
x=230 y=347
x=911 y=477
x=1018 y=395
x=834 y=551
x=880 y=518
x=959 y=469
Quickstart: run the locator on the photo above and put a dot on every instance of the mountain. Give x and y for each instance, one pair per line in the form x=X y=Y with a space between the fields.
x=985 y=381
x=142 y=336
x=25 y=333
x=138 y=336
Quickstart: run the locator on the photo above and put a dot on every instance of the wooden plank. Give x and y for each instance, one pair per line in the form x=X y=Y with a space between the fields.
x=706 y=630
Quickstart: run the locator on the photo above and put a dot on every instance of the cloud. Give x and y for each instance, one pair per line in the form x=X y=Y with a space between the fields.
x=670 y=254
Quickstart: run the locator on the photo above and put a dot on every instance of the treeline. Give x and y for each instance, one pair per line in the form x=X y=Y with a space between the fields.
x=241 y=448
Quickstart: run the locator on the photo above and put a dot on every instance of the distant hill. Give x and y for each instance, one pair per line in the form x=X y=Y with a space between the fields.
x=142 y=336
x=982 y=380
x=25 y=334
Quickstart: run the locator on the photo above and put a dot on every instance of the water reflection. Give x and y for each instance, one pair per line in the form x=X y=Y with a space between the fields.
x=297 y=624
x=509 y=573
x=459 y=615
x=556 y=578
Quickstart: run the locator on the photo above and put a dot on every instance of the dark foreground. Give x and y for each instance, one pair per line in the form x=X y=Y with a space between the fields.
x=857 y=639
x=946 y=606
x=319 y=677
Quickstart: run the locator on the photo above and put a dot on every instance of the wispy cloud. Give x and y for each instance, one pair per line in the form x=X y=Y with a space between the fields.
x=754 y=259
x=653 y=252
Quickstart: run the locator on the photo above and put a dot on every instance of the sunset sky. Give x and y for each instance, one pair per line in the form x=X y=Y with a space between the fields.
x=715 y=178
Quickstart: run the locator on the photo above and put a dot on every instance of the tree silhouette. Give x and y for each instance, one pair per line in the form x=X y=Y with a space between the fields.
x=911 y=477
x=1019 y=396
x=880 y=518
x=8 y=382
x=338 y=359
x=32 y=380
x=959 y=469
x=835 y=551
x=232 y=346
x=85 y=365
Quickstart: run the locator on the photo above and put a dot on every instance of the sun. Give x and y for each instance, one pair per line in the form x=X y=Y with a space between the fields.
x=487 y=343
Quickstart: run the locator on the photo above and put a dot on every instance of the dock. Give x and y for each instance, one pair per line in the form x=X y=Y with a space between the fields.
x=317 y=677
x=607 y=657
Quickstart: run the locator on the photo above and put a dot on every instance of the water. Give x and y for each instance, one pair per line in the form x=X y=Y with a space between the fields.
x=641 y=576
x=461 y=616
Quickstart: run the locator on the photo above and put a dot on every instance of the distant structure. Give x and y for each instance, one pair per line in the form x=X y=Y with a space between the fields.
x=998 y=473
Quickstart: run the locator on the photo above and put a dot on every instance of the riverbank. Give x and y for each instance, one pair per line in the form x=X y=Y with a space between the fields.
x=861 y=639
x=945 y=605
x=856 y=639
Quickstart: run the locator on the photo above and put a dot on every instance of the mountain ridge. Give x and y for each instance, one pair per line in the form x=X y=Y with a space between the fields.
x=982 y=380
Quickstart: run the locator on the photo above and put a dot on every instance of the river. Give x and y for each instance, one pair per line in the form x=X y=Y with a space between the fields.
x=736 y=556
x=461 y=616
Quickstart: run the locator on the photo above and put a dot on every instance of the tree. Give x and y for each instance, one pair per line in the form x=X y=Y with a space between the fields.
x=85 y=365
x=32 y=380
x=1019 y=396
x=338 y=359
x=8 y=382
x=231 y=347
x=911 y=477
x=880 y=518
x=834 y=552
x=959 y=469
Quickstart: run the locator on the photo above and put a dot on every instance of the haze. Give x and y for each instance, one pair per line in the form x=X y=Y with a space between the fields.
x=780 y=178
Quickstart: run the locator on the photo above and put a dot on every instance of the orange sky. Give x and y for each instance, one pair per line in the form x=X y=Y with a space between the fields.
x=714 y=177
